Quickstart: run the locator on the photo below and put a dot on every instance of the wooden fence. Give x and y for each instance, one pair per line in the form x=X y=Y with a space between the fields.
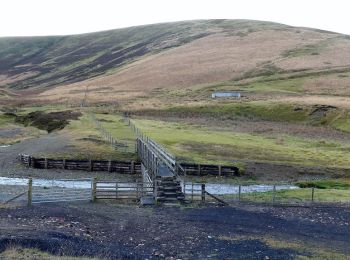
x=127 y=167
x=61 y=190
x=209 y=169
x=130 y=167
x=121 y=190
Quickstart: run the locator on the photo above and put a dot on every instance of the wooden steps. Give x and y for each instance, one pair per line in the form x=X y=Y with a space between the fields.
x=168 y=190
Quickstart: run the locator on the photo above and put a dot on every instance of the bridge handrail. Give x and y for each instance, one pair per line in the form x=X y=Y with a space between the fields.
x=161 y=151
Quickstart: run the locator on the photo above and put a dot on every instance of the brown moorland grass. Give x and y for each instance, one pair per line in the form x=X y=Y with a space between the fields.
x=340 y=102
x=334 y=53
x=211 y=59
x=337 y=84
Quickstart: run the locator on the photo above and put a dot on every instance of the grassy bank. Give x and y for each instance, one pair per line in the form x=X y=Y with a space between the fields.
x=297 y=195
x=32 y=253
x=86 y=137
x=303 y=251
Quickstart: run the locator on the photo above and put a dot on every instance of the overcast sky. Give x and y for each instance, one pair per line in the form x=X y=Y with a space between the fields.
x=53 y=17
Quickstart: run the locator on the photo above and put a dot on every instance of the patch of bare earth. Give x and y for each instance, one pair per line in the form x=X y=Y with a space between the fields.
x=107 y=231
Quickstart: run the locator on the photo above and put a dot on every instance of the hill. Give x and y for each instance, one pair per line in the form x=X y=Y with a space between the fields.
x=293 y=116
x=149 y=61
x=47 y=61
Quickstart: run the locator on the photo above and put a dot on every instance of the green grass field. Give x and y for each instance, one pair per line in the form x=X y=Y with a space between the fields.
x=200 y=144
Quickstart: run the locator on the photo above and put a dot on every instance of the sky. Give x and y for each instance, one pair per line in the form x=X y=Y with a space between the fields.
x=62 y=17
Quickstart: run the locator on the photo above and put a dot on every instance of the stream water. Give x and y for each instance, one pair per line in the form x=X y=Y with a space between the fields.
x=213 y=188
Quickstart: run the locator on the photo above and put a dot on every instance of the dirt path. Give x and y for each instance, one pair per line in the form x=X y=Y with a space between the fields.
x=8 y=155
x=113 y=231
x=47 y=144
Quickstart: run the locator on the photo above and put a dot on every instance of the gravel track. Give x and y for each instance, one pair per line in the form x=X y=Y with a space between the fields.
x=116 y=231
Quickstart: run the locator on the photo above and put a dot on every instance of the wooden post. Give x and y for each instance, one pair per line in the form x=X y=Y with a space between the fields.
x=90 y=165
x=110 y=166
x=29 y=161
x=312 y=194
x=274 y=194
x=184 y=191
x=64 y=164
x=199 y=169
x=46 y=163
x=132 y=167
x=116 y=190
x=192 y=192
x=30 y=191
x=93 y=190
x=239 y=192
x=219 y=170
x=203 y=192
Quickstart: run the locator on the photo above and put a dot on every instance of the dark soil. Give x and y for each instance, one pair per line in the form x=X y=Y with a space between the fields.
x=111 y=231
x=48 y=121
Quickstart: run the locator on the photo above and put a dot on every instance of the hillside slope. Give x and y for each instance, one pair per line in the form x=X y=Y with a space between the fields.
x=47 y=61
x=181 y=62
x=218 y=58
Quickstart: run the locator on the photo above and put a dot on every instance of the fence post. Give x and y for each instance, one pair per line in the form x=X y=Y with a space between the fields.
x=109 y=165
x=132 y=167
x=239 y=192
x=30 y=191
x=184 y=190
x=203 y=192
x=192 y=192
x=219 y=170
x=29 y=161
x=90 y=165
x=199 y=169
x=93 y=191
x=64 y=164
x=312 y=194
x=274 y=194
x=46 y=163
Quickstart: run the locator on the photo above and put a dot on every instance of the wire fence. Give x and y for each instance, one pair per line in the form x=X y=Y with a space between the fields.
x=125 y=146
x=13 y=194
x=35 y=191
x=264 y=194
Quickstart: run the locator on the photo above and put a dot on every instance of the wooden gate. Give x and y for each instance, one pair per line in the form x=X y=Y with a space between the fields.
x=122 y=190
x=64 y=190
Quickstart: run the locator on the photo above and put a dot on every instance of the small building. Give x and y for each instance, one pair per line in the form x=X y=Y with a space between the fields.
x=225 y=94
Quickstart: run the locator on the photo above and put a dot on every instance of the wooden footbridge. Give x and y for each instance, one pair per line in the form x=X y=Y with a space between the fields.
x=160 y=168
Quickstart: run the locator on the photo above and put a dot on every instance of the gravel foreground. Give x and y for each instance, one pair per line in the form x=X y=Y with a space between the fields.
x=113 y=231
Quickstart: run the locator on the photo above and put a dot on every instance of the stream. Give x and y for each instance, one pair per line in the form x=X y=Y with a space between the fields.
x=213 y=188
